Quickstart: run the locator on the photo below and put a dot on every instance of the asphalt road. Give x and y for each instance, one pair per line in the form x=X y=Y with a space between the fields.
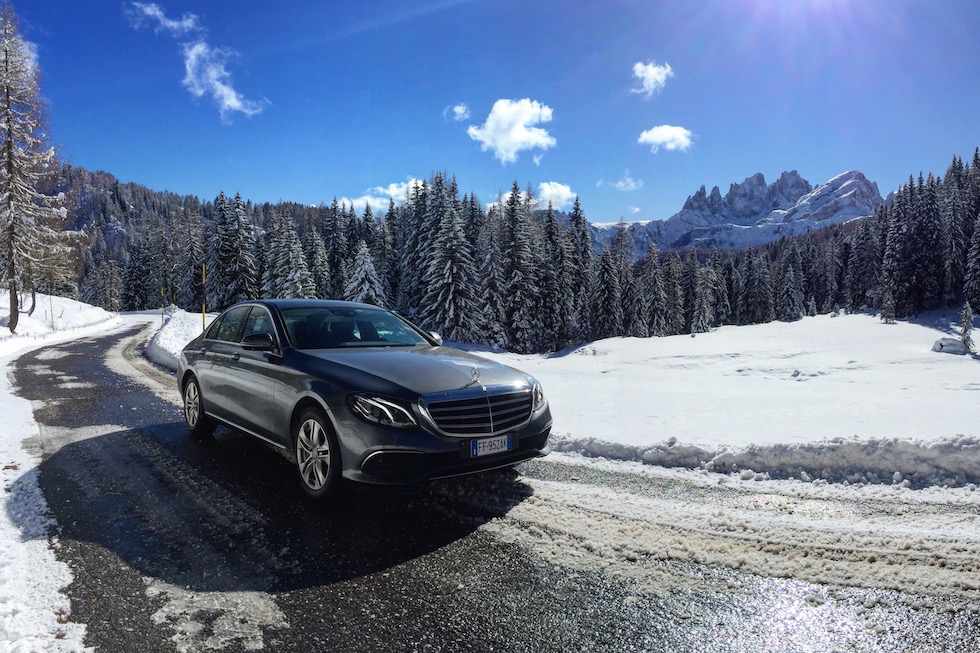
x=176 y=545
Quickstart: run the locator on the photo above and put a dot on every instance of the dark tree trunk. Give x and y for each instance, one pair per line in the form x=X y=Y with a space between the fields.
x=14 y=308
x=30 y=311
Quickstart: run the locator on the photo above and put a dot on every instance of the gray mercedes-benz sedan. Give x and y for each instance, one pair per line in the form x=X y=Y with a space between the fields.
x=346 y=390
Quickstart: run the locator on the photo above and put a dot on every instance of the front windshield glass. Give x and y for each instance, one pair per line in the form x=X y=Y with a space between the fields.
x=329 y=327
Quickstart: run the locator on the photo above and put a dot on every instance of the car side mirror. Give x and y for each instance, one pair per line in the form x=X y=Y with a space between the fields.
x=258 y=342
x=436 y=337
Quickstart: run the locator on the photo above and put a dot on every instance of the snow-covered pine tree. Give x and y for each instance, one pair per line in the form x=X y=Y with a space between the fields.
x=363 y=284
x=689 y=282
x=552 y=314
x=966 y=326
x=702 y=315
x=608 y=302
x=791 y=306
x=673 y=272
x=318 y=263
x=236 y=254
x=519 y=275
x=140 y=291
x=286 y=271
x=585 y=318
x=474 y=222
x=811 y=306
x=759 y=302
x=887 y=305
x=862 y=268
x=581 y=251
x=736 y=289
x=491 y=282
x=354 y=235
x=335 y=238
x=413 y=254
x=191 y=259
x=722 y=303
x=215 y=280
x=369 y=231
x=971 y=285
x=450 y=301
x=26 y=237
x=635 y=306
x=391 y=235
x=565 y=322
x=955 y=243
x=652 y=285
x=103 y=285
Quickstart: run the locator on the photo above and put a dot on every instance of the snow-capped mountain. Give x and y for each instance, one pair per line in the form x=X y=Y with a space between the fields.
x=753 y=212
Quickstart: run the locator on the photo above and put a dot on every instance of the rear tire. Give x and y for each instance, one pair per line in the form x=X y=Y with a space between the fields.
x=200 y=425
x=317 y=454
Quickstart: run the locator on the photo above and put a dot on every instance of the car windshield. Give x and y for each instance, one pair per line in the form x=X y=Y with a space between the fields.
x=329 y=327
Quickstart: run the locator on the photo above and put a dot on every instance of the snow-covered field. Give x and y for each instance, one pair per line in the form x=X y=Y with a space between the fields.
x=841 y=398
x=33 y=611
x=179 y=327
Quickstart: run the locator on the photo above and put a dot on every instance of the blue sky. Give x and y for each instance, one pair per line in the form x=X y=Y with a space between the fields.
x=310 y=100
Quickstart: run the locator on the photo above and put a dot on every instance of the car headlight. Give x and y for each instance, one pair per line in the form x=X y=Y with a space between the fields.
x=382 y=411
x=539 y=401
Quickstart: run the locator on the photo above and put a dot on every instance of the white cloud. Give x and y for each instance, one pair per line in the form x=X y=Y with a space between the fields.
x=509 y=128
x=143 y=12
x=627 y=183
x=205 y=72
x=459 y=112
x=560 y=195
x=599 y=183
x=397 y=191
x=378 y=197
x=205 y=66
x=537 y=159
x=652 y=77
x=634 y=209
x=668 y=137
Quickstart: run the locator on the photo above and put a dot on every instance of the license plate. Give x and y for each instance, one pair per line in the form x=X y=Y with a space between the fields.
x=489 y=446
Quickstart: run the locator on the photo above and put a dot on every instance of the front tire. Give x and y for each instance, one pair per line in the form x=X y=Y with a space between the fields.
x=201 y=426
x=317 y=454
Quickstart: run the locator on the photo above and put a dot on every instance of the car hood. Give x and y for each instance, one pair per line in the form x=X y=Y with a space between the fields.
x=424 y=370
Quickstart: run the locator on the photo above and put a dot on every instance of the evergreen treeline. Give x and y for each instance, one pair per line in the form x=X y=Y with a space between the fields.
x=520 y=278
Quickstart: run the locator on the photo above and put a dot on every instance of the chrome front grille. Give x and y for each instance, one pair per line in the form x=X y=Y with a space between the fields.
x=481 y=415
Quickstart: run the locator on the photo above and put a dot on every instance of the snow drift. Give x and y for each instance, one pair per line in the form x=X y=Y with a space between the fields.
x=54 y=317
x=179 y=327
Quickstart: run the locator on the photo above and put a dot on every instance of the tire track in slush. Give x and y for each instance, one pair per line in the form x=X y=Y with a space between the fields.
x=652 y=539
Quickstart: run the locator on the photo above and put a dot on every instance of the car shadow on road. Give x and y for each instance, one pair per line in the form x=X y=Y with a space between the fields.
x=228 y=515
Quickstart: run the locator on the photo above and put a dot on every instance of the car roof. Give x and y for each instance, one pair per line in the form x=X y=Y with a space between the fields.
x=310 y=303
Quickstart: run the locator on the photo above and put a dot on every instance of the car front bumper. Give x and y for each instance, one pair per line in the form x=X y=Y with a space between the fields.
x=420 y=456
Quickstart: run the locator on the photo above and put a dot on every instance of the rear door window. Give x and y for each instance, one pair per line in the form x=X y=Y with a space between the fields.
x=230 y=329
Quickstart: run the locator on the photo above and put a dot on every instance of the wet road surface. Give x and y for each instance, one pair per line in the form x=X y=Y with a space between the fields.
x=178 y=545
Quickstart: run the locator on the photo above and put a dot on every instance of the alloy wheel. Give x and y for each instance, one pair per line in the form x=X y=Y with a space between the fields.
x=313 y=454
x=192 y=404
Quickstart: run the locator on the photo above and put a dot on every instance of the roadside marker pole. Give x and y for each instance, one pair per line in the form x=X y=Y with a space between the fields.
x=204 y=295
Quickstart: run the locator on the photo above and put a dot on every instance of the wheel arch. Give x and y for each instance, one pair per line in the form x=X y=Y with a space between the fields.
x=188 y=374
x=309 y=400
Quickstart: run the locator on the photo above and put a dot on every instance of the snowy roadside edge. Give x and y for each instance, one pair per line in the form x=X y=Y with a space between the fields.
x=952 y=461
x=158 y=354
x=33 y=608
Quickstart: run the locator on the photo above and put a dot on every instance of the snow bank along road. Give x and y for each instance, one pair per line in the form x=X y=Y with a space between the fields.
x=175 y=545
